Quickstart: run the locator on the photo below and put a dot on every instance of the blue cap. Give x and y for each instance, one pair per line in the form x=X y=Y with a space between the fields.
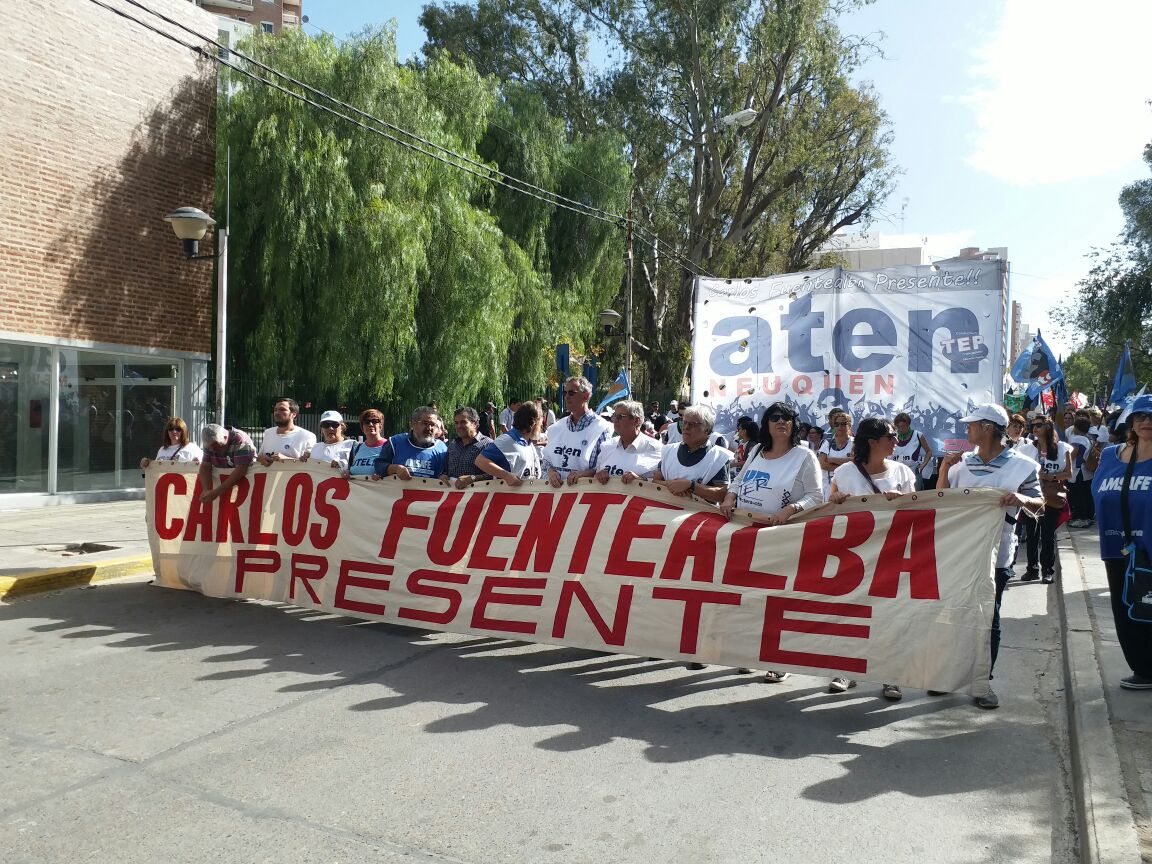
x=1142 y=405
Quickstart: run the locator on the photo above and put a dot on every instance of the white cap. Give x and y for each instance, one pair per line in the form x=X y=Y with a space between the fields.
x=989 y=411
x=331 y=417
x=673 y=404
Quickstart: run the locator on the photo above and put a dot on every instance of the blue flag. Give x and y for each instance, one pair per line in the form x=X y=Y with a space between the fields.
x=1125 y=381
x=620 y=389
x=562 y=361
x=1037 y=367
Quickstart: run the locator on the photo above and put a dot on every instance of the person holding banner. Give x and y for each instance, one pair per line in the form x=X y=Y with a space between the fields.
x=460 y=464
x=993 y=465
x=780 y=478
x=512 y=457
x=332 y=448
x=224 y=449
x=695 y=466
x=417 y=453
x=630 y=455
x=362 y=458
x=572 y=439
x=1122 y=487
x=175 y=445
x=873 y=471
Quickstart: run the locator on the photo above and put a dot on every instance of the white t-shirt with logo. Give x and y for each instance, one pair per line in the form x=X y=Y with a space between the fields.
x=569 y=450
x=181 y=452
x=897 y=477
x=329 y=453
x=291 y=446
x=769 y=485
x=641 y=457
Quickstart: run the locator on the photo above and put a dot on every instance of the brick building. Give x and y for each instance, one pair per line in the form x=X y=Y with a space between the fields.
x=105 y=330
x=268 y=16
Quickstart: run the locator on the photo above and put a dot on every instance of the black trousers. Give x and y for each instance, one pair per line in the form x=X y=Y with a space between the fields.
x=1080 y=499
x=1135 y=637
x=1040 y=540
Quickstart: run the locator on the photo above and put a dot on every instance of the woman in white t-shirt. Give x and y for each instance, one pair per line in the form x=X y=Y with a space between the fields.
x=1055 y=458
x=779 y=479
x=175 y=447
x=837 y=450
x=872 y=471
x=332 y=448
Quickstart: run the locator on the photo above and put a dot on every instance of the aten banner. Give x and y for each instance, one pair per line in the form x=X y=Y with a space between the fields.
x=897 y=592
x=927 y=340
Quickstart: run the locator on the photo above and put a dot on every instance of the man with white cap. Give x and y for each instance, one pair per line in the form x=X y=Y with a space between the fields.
x=671 y=431
x=995 y=466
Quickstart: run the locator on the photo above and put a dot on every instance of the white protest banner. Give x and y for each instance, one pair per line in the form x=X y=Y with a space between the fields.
x=926 y=340
x=897 y=592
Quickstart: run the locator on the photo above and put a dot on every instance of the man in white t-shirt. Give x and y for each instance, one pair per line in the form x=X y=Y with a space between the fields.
x=571 y=439
x=285 y=441
x=671 y=431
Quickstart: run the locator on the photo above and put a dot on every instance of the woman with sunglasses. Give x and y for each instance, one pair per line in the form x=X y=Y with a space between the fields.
x=837 y=450
x=362 y=457
x=779 y=479
x=175 y=446
x=1123 y=482
x=332 y=448
x=872 y=471
x=1055 y=459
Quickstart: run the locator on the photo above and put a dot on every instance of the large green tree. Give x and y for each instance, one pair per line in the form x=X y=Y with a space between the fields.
x=724 y=199
x=365 y=272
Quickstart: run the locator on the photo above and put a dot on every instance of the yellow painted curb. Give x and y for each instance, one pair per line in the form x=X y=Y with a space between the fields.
x=36 y=581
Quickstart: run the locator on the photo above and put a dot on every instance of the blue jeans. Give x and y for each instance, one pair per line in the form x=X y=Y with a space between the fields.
x=1003 y=574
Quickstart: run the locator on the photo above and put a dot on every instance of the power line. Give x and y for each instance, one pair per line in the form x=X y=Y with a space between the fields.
x=422 y=145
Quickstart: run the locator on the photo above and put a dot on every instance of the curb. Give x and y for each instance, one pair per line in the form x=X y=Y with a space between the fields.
x=1104 y=817
x=37 y=581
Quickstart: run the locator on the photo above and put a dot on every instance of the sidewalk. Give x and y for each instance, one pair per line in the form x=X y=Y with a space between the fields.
x=48 y=548
x=1110 y=728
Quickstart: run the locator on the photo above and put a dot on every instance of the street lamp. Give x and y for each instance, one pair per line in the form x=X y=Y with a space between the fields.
x=608 y=319
x=190 y=225
x=745 y=117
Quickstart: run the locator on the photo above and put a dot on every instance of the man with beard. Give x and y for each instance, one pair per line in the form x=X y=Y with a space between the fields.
x=416 y=453
x=285 y=441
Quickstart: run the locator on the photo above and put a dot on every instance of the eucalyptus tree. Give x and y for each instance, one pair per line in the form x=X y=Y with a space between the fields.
x=716 y=198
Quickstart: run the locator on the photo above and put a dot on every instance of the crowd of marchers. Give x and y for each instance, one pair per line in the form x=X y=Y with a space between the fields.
x=1047 y=466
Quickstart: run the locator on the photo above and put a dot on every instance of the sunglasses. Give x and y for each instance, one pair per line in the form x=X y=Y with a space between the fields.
x=573 y=392
x=845 y=423
x=173 y=429
x=370 y=422
x=778 y=418
x=329 y=424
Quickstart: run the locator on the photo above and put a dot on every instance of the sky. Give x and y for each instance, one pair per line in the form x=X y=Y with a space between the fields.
x=1016 y=124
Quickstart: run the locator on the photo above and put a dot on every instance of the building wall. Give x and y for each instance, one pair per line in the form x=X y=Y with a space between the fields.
x=259 y=14
x=107 y=127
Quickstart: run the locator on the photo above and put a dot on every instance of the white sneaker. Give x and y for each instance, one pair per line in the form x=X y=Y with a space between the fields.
x=840 y=685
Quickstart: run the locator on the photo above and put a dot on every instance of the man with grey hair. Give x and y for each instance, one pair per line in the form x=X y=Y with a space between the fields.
x=571 y=439
x=416 y=453
x=461 y=470
x=694 y=465
x=228 y=449
x=630 y=455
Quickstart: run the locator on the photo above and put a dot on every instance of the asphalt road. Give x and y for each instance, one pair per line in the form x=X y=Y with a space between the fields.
x=139 y=724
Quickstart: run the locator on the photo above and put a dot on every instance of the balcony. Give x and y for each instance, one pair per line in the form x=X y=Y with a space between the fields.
x=243 y=5
x=291 y=20
x=295 y=3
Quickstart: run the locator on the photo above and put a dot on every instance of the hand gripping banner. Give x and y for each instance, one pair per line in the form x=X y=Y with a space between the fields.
x=897 y=592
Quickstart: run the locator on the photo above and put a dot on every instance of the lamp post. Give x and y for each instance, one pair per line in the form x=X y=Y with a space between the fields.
x=190 y=225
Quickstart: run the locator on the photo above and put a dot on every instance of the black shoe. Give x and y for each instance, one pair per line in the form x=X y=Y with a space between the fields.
x=937 y=692
x=1030 y=575
x=1049 y=576
x=695 y=666
x=1136 y=682
x=989 y=701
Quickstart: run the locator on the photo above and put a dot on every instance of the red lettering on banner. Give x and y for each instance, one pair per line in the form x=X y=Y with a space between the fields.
x=175 y=484
x=400 y=518
x=228 y=527
x=347 y=580
x=818 y=545
x=336 y=488
x=695 y=538
x=910 y=547
x=489 y=596
x=442 y=551
x=542 y=532
x=256 y=512
x=297 y=507
x=776 y=622
x=492 y=527
x=738 y=567
x=694 y=600
x=306 y=569
x=628 y=530
x=597 y=503
x=613 y=635
x=199 y=517
x=421 y=583
x=255 y=561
